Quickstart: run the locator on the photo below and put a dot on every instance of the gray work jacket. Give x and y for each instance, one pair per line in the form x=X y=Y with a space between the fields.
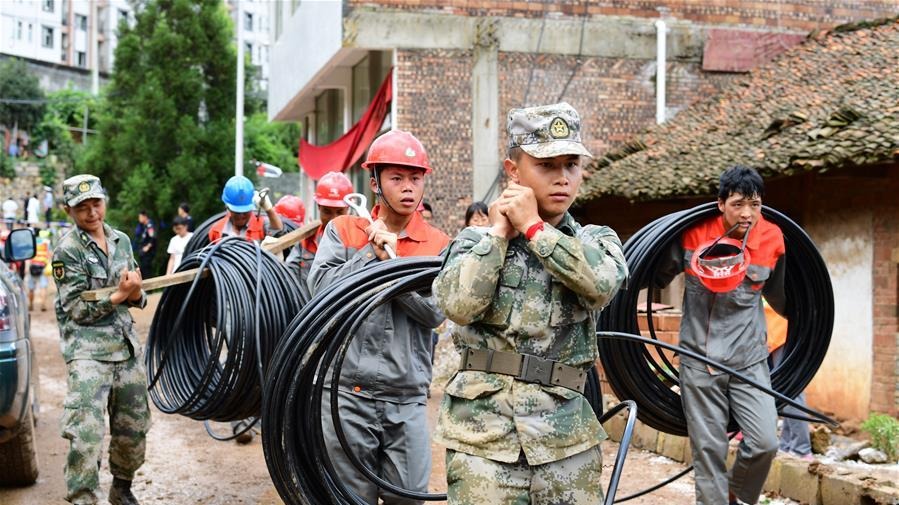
x=390 y=355
x=728 y=327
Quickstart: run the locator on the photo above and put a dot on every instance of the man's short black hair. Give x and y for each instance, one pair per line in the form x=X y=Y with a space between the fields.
x=185 y=207
x=743 y=180
x=144 y=213
x=514 y=153
x=179 y=221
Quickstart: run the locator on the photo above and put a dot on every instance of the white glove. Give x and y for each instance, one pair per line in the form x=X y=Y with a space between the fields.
x=261 y=200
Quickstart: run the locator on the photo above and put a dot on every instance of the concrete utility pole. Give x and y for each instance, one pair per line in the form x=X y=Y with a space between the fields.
x=238 y=127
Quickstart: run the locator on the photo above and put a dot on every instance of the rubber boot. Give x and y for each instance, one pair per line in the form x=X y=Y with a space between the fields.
x=120 y=493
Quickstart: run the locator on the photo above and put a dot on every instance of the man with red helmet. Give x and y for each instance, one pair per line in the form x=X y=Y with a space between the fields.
x=291 y=207
x=329 y=193
x=385 y=377
x=723 y=319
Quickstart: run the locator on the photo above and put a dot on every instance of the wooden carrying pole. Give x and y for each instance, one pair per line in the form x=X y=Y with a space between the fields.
x=163 y=281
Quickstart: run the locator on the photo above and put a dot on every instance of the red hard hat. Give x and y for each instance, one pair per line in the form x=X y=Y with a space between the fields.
x=720 y=265
x=292 y=208
x=399 y=148
x=331 y=189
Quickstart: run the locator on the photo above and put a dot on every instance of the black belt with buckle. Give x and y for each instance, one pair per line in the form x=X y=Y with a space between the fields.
x=524 y=367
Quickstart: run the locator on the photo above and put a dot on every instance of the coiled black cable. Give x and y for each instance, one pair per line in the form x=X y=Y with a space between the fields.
x=211 y=341
x=316 y=341
x=200 y=238
x=634 y=373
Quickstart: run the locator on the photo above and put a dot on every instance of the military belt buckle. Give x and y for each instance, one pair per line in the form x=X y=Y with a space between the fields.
x=535 y=369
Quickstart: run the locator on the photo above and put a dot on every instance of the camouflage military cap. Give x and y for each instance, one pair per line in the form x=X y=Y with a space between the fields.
x=79 y=188
x=546 y=131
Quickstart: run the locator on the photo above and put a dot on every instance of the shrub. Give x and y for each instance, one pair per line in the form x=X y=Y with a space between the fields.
x=884 y=431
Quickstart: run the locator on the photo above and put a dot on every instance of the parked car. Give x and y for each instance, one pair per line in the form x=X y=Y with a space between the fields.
x=18 y=374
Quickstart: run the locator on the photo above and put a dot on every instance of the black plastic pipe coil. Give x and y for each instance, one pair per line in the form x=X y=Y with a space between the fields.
x=318 y=339
x=200 y=238
x=211 y=341
x=634 y=373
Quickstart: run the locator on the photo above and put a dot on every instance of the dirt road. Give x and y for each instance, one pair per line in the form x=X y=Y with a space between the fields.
x=184 y=466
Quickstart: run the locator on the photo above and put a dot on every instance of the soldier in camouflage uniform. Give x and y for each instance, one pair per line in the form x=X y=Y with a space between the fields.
x=523 y=293
x=100 y=347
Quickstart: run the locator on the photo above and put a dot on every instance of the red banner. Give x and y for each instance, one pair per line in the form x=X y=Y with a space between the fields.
x=345 y=151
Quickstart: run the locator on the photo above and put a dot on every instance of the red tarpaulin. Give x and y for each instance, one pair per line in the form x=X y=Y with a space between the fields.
x=345 y=151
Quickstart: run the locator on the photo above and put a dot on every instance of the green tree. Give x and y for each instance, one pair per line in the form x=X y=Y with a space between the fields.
x=166 y=127
x=22 y=105
x=64 y=113
x=273 y=143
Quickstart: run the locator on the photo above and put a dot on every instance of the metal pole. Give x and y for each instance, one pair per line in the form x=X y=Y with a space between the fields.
x=661 y=57
x=84 y=126
x=238 y=126
x=95 y=47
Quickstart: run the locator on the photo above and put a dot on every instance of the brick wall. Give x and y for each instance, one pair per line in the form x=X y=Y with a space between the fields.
x=885 y=380
x=788 y=14
x=434 y=103
x=615 y=97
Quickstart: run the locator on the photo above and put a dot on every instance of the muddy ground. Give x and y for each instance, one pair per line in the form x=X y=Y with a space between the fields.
x=185 y=466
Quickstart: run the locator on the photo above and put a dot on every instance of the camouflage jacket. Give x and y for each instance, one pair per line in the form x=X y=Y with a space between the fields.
x=93 y=330
x=532 y=297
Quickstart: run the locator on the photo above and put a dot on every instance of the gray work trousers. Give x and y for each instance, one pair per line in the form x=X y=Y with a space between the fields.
x=708 y=402
x=391 y=439
x=794 y=435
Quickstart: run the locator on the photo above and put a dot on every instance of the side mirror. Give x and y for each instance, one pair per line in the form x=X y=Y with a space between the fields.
x=20 y=245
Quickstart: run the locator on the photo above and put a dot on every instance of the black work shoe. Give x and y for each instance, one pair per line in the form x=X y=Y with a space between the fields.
x=120 y=493
x=247 y=436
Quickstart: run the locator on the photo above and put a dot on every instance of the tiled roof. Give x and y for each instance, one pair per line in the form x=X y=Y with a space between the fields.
x=831 y=101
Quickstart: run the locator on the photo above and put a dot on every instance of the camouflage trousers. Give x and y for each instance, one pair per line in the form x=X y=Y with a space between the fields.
x=473 y=480
x=94 y=387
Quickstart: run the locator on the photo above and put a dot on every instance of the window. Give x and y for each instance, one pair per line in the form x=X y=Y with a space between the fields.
x=48 y=5
x=81 y=22
x=248 y=50
x=368 y=75
x=46 y=36
x=29 y=32
x=63 y=56
x=248 y=21
x=81 y=59
x=328 y=116
x=123 y=15
x=19 y=30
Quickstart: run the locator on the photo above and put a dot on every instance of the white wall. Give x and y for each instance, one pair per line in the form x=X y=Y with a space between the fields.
x=310 y=38
x=843 y=384
x=30 y=13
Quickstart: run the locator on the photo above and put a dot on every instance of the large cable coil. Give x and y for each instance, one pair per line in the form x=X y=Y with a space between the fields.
x=635 y=373
x=211 y=340
x=200 y=238
x=317 y=340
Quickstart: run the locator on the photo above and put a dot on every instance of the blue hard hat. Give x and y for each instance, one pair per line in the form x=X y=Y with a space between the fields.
x=238 y=194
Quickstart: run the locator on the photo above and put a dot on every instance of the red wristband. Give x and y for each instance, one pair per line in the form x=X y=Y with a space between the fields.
x=533 y=229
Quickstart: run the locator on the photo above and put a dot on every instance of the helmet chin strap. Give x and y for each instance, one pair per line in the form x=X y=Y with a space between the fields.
x=380 y=193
